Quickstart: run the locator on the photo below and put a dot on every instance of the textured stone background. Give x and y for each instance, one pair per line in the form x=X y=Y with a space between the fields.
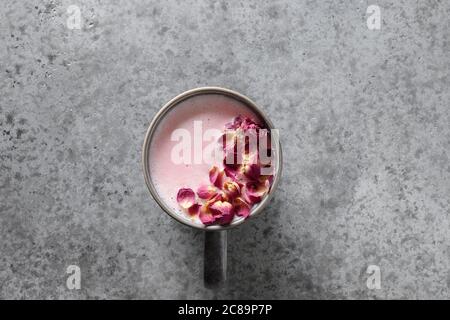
x=364 y=118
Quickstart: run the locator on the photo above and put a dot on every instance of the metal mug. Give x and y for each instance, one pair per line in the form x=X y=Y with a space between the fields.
x=215 y=254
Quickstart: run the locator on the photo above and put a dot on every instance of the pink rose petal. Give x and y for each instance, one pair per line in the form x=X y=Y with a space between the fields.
x=246 y=197
x=206 y=217
x=230 y=172
x=236 y=174
x=206 y=191
x=236 y=123
x=194 y=209
x=223 y=211
x=249 y=124
x=231 y=189
x=226 y=218
x=243 y=123
x=252 y=171
x=253 y=191
x=241 y=208
x=216 y=176
x=186 y=198
x=269 y=178
x=220 y=208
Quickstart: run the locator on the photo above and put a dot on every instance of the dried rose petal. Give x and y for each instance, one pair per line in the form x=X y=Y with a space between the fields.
x=236 y=123
x=206 y=191
x=245 y=196
x=269 y=178
x=216 y=176
x=242 y=122
x=194 y=209
x=218 y=197
x=206 y=216
x=248 y=124
x=252 y=171
x=231 y=189
x=253 y=191
x=231 y=172
x=241 y=208
x=226 y=218
x=220 y=208
x=237 y=175
x=218 y=211
x=186 y=198
x=223 y=210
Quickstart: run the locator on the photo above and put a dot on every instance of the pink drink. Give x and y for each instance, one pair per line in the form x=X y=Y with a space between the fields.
x=214 y=111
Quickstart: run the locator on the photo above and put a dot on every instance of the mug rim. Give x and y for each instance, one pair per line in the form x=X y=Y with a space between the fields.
x=146 y=151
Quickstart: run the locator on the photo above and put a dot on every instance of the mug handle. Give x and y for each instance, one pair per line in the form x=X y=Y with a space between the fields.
x=215 y=262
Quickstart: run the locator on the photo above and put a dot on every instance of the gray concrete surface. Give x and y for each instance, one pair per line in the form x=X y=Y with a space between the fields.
x=363 y=114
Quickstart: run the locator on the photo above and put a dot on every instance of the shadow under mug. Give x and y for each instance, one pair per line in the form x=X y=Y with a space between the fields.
x=215 y=254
